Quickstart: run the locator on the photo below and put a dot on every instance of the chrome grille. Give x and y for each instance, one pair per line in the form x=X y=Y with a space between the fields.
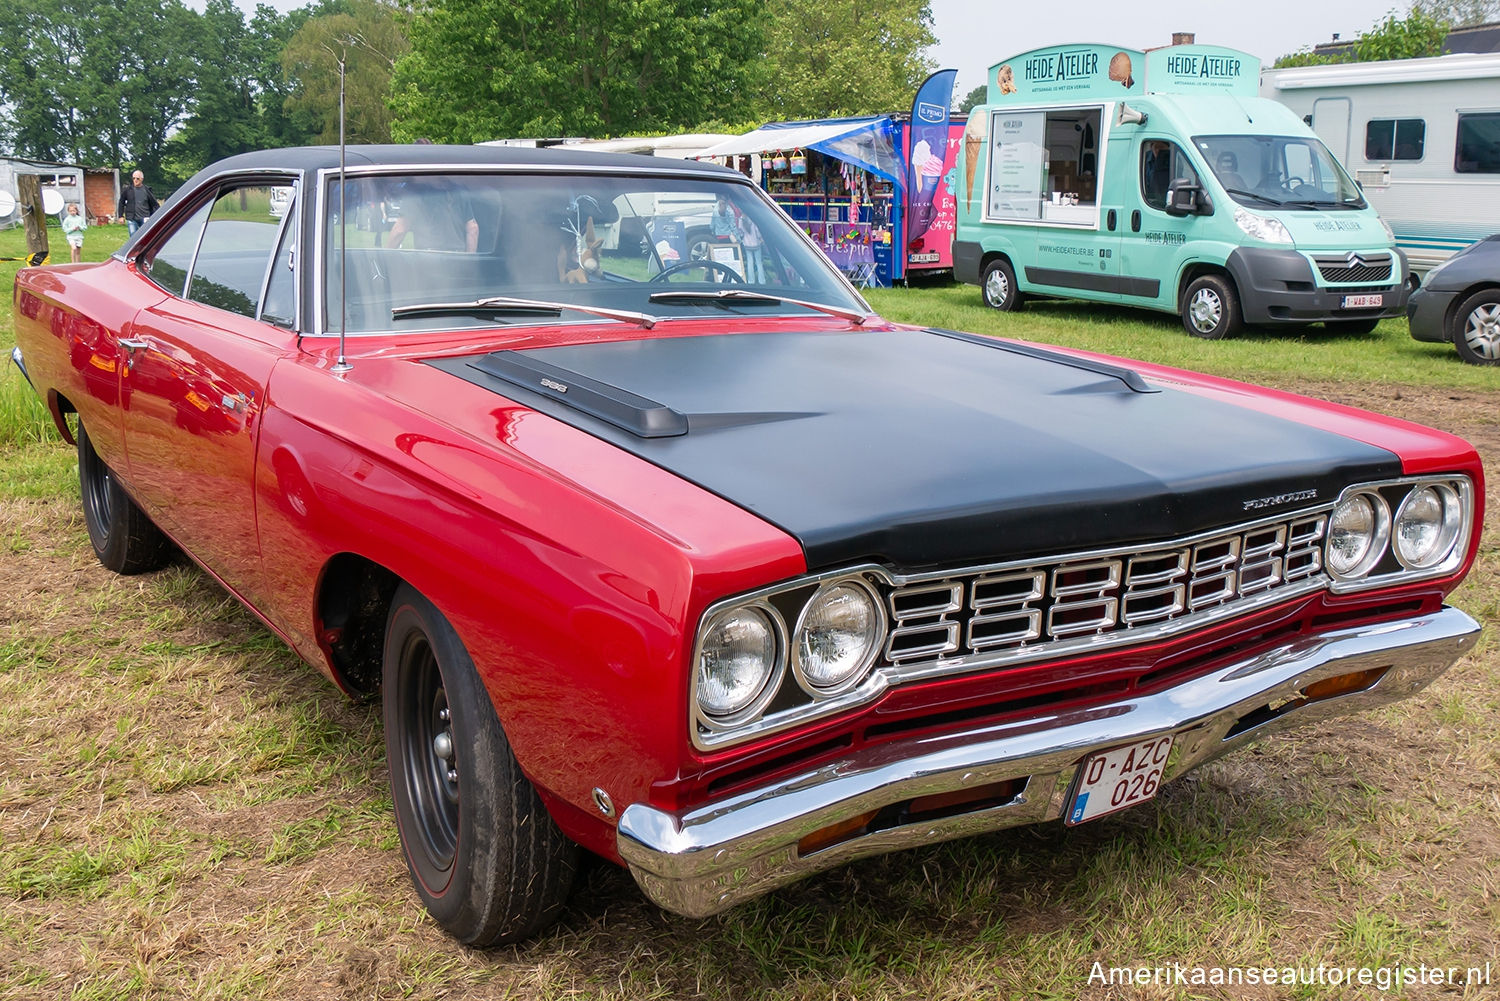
x=1353 y=267
x=1011 y=608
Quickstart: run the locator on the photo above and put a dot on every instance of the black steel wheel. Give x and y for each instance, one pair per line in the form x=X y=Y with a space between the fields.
x=124 y=539
x=486 y=858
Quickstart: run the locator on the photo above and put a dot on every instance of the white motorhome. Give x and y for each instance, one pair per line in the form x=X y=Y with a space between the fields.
x=1421 y=136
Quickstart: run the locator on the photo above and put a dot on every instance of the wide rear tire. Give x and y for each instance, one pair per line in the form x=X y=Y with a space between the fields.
x=487 y=860
x=124 y=539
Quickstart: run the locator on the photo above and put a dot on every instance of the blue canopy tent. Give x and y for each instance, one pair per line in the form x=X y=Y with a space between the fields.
x=827 y=212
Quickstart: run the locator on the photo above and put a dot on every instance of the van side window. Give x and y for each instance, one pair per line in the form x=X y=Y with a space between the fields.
x=1478 y=149
x=1162 y=163
x=1395 y=138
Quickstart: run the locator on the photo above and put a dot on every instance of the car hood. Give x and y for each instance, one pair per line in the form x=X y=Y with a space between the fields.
x=921 y=448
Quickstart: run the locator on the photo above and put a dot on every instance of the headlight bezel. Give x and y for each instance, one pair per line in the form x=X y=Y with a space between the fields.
x=867 y=660
x=1380 y=535
x=1449 y=530
x=1389 y=569
x=770 y=683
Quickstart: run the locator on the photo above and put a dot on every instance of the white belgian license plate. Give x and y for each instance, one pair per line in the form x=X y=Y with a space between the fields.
x=1363 y=301
x=929 y=257
x=1112 y=780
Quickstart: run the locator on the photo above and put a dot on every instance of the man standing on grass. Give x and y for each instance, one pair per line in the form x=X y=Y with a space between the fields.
x=137 y=203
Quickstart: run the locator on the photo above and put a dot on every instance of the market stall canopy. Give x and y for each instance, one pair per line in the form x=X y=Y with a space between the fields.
x=869 y=143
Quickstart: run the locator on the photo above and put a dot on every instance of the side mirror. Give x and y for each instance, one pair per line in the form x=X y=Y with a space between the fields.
x=1186 y=198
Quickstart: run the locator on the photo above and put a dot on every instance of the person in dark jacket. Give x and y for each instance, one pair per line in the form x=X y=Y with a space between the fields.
x=137 y=203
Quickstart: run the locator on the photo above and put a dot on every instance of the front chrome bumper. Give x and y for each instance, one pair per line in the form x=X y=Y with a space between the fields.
x=711 y=857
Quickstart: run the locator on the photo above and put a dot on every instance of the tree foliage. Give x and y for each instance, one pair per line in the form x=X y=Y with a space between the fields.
x=1420 y=33
x=370 y=39
x=973 y=98
x=844 y=57
x=1460 y=13
x=486 y=69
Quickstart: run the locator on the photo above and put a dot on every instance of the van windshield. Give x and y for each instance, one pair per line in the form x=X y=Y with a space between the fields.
x=1291 y=172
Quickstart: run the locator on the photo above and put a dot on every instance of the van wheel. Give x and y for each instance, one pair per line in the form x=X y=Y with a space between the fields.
x=487 y=860
x=124 y=538
x=1476 y=328
x=1210 y=309
x=1000 y=286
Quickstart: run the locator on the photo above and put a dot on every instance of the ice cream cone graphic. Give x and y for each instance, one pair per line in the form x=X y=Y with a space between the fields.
x=973 y=144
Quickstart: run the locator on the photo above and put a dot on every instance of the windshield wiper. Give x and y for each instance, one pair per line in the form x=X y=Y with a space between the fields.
x=508 y=304
x=745 y=295
x=1253 y=194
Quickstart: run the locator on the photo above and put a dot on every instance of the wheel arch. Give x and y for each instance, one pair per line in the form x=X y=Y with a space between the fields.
x=59 y=406
x=1194 y=270
x=353 y=599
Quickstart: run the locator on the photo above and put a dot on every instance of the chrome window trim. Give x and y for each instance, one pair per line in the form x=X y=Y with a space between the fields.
x=318 y=328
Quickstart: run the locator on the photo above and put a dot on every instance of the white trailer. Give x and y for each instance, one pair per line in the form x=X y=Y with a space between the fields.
x=1421 y=136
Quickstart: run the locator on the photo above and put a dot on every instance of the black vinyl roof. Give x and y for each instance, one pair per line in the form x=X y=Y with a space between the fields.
x=420 y=155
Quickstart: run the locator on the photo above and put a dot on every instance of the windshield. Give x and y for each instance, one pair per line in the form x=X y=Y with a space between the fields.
x=1293 y=172
x=607 y=242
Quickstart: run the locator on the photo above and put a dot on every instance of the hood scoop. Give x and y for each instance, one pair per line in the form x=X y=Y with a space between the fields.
x=625 y=410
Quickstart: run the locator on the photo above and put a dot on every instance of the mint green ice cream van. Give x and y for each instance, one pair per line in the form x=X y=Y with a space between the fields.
x=1163 y=180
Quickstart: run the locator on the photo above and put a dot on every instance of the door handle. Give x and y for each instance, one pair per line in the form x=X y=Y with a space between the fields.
x=131 y=346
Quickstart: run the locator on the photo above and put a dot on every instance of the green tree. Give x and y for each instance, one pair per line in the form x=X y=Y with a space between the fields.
x=1460 y=13
x=370 y=39
x=972 y=98
x=1411 y=37
x=226 y=115
x=845 y=57
x=486 y=69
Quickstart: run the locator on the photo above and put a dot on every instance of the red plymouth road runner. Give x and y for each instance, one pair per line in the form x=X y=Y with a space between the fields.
x=652 y=538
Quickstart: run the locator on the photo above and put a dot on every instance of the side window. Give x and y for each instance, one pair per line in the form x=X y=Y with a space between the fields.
x=1478 y=150
x=1395 y=138
x=169 y=263
x=230 y=269
x=280 y=306
x=1162 y=163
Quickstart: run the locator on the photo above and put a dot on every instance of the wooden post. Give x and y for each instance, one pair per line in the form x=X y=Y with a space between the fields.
x=29 y=187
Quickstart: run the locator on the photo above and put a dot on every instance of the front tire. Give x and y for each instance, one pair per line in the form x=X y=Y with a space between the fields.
x=1476 y=328
x=1211 y=308
x=124 y=539
x=999 y=285
x=486 y=858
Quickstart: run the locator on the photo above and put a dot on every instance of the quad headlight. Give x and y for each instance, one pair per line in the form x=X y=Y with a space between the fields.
x=745 y=651
x=1369 y=546
x=739 y=662
x=837 y=637
x=1427 y=524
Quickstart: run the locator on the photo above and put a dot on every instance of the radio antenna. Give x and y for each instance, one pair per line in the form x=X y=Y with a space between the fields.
x=342 y=365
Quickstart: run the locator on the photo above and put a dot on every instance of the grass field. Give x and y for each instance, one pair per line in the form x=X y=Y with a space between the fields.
x=187 y=811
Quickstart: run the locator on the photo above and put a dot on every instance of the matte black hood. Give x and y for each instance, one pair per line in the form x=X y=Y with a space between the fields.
x=920 y=448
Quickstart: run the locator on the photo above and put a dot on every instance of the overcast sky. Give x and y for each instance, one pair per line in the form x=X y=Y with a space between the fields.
x=973 y=35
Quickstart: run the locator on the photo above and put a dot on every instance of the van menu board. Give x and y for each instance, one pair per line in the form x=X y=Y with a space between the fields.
x=1202 y=69
x=1066 y=73
x=1016 y=159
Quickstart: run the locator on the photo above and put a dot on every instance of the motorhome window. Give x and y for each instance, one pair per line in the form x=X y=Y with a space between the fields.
x=1395 y=138
x=1162 y=163
x=1284 y=172
x=1478 y=149
x=1044 y=166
